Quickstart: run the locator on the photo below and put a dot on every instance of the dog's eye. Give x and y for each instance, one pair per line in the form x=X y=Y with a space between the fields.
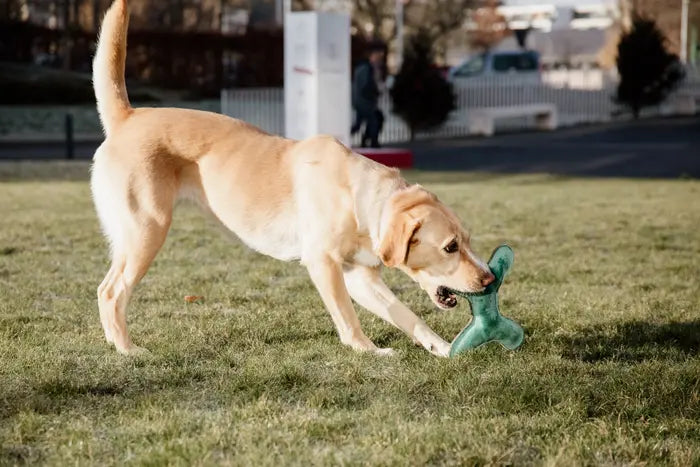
x=452 y=247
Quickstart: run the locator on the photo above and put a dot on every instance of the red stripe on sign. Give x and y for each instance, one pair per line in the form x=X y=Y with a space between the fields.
x=305 y=71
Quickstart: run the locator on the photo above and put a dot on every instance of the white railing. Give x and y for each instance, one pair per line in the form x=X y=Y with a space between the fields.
x=262 y=107
x=584 y=78
x=692 y=80
x=578 y=102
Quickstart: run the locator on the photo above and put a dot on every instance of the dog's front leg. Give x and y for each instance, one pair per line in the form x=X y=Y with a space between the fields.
x=367 y=288
x=327 y=276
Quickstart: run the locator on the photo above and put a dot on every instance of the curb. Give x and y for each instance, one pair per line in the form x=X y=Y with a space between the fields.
x=400 y=158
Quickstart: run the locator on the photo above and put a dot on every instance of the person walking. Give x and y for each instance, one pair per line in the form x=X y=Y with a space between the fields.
x=366 y=89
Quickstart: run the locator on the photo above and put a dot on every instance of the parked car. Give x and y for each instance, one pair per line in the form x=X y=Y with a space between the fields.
x=522 y=65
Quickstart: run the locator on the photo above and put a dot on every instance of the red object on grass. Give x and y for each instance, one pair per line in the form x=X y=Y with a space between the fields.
x=391 y=157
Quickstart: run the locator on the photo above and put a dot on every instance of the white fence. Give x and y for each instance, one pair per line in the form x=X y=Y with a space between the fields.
x=262 y=107
x=578 y=102
x=585 y=78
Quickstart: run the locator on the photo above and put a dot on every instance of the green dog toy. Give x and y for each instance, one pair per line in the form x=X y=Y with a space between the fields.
x=487 y=323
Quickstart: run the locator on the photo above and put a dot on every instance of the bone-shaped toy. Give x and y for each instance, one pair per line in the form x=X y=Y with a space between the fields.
x=487 y=324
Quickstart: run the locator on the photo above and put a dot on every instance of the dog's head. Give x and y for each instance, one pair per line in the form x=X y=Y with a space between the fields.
x=426 y=240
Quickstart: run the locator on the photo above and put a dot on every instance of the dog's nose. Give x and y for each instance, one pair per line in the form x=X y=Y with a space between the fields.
x=487 y=279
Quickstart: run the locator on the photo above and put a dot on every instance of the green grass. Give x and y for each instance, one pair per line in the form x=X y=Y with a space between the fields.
x=605 y=283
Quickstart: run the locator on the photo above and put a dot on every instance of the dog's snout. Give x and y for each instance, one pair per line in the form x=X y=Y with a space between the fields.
x=487 y=278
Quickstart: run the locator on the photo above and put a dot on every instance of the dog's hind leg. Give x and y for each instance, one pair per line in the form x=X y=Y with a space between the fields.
x=108 y=282
x=136 y=212
x=128 y=268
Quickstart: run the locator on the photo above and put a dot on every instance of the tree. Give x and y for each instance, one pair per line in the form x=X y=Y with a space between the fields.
x=487 y=26
x=420 y=95
x=666 y=14
x=436 y=19
x=648 y=71
x=12 y=10
x=377 y=18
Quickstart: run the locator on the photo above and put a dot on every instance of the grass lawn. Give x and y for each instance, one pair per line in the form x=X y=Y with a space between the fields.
x=605 y=283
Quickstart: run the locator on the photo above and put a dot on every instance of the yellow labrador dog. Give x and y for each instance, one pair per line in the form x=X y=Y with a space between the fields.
x=315 y=200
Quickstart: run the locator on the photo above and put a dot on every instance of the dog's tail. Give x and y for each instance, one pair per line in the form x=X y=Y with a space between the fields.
x=108 y=67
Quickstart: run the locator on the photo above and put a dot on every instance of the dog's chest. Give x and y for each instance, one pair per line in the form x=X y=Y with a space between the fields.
x=365 y=257
x=363 y=253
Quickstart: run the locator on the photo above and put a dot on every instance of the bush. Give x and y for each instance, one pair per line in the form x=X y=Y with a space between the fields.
x=35 y=85
x=420 y=95
x=648 y=71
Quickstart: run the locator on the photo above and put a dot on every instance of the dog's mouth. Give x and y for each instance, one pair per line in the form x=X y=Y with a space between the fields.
x=445 y=298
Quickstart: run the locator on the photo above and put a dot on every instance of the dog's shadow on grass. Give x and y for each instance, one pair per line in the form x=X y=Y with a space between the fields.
x=634 y=341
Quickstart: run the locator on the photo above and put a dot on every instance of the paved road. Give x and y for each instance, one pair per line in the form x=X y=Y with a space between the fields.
x=650 y=148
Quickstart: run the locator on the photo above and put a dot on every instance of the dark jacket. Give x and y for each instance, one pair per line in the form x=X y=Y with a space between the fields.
x=365 y=92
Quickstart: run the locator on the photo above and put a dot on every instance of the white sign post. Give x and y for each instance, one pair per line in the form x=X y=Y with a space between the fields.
x=317 y=75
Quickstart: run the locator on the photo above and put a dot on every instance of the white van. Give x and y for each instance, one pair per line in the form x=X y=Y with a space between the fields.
x=520 y=65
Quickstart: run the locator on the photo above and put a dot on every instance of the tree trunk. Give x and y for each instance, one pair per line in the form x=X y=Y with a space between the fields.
x=67 y=41
x=75 y=14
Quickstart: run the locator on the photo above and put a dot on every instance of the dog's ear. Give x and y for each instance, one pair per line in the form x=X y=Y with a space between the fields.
x=395 y=244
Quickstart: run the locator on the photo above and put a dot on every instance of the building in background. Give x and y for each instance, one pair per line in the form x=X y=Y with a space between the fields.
x=566 y=34
x=538 y=16
x=594 y=16
x=173 y=40
x=188 y=15
x=588 y=30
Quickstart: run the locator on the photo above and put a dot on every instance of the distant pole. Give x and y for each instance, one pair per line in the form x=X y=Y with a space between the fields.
x=684 y=31
x=70 y=146
x=66 y=35
x=399 y=34
x=282 y=7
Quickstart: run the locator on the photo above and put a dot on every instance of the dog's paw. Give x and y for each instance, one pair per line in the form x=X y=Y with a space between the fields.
x=134 y=351
x=439 y=350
